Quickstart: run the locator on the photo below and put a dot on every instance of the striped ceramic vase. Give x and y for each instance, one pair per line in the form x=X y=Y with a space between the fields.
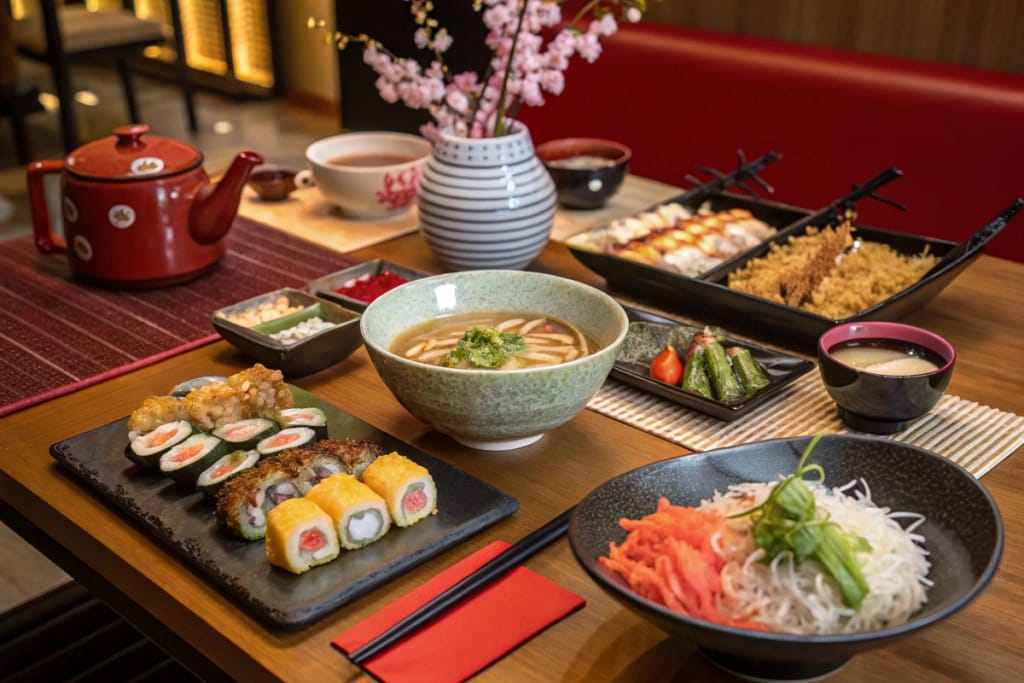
x=486 y=202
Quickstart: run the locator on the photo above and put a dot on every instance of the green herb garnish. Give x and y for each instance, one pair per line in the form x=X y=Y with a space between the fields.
x=485 y=347
x=787 y=520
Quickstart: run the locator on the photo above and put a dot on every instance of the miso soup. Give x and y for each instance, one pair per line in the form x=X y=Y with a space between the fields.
x=887 y=357
x=494 y=340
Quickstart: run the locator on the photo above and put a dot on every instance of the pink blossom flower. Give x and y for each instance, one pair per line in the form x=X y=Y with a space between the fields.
x=526 y=61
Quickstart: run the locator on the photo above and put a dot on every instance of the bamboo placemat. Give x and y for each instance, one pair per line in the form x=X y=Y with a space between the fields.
x=975 y=436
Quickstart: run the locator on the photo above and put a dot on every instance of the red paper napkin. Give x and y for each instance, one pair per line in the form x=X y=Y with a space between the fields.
x=477 y=632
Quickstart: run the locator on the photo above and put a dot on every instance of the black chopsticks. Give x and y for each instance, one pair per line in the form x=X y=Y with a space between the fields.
x=488 y=573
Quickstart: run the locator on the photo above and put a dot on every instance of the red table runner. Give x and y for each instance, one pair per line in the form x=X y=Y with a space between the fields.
x=59 y=334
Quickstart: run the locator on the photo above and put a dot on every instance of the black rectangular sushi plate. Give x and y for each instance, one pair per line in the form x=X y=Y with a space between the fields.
x=183 y=520
x=781 y=368
x=709 y=297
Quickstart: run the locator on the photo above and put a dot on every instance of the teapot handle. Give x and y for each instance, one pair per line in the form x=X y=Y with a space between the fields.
x=47 y=240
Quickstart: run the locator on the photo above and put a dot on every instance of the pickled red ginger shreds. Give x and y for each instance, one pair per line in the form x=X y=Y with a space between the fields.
x=669 y=557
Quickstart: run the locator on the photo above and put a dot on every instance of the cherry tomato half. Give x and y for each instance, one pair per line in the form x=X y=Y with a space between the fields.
x=666 y=367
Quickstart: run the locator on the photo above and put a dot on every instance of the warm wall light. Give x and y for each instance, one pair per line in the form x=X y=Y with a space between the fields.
x=87 y=98
x=223 y=127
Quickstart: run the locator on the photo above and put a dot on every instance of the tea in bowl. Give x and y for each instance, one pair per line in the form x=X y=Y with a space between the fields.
x=882 y=375
x=367 y=174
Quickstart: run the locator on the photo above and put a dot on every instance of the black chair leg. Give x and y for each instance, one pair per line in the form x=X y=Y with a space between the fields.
x=61 y=78
x=181 y=66
x=129 y=89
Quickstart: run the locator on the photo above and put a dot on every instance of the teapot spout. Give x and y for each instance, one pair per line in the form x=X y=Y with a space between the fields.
x=215 y=205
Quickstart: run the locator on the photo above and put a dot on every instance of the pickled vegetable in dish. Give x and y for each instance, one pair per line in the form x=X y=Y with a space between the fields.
x=791 y=556
x=494 y=340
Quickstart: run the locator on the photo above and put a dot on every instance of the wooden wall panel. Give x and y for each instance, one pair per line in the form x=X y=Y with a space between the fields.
x=984 y=33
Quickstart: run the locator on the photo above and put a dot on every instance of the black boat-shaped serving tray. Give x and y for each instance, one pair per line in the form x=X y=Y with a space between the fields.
x=634 y=359
x=184 y=521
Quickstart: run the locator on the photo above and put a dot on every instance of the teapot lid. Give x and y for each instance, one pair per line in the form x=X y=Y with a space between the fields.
x=127 y=155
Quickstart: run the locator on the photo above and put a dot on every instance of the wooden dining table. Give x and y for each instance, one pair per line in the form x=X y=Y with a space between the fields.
x=981 y=313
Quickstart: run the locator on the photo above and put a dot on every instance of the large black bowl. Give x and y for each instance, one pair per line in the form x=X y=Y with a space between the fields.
x=963 y=531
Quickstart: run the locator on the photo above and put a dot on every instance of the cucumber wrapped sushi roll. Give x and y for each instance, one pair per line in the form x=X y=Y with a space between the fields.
x=184 y=462
x=244 y=435
x=406 y=487
x=245 y=499
x=360 y=515
x=314 y=418
x=213 y=477
x=293 y=437
x=300 y=536
x=146 y=449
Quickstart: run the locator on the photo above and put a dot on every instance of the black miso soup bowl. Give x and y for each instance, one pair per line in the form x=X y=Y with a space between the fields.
x=883 y=404
x=583 y=185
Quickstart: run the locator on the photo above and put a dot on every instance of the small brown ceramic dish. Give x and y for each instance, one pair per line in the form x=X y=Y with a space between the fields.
x=587 y=171
x=272 y=184
x=883 y=403
x=311 y=353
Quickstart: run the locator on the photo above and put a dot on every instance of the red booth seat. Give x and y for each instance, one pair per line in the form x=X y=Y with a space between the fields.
x=681 y=97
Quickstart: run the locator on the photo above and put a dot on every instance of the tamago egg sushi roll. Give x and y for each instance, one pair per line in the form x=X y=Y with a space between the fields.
x=360 y=515
x=300 y=535
x=406 y=487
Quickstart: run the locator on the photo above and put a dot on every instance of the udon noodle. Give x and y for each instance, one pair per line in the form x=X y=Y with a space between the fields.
x=801 y=599
x=548 y=341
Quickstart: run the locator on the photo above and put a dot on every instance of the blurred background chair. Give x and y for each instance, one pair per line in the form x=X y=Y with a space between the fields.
x=61 y=34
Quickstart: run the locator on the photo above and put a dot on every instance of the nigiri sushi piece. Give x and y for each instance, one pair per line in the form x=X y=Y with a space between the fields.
x=300 y=536
x=360 y=516
x=406 y=487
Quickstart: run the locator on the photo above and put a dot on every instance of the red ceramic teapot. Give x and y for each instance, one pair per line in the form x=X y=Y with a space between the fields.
x=139 y=210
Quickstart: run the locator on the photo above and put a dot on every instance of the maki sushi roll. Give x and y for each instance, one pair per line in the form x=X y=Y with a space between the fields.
x=360 y=515
x=300 y=536
x=245 y=434
x=245 y=499
x=184 y=462
x=292 y=437
x=311 y=466
x=146 y=449
x=313 y=418
x=355 y=456
x=406 y=487
x=213 y=477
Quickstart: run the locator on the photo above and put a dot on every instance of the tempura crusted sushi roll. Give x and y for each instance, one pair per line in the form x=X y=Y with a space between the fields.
x=263 y=391
x=184 y=462
x=245 y=434
x=360 y=515
x=300 y=536
x=244 y=500
x=314 y=418
x=155 y=411
x=147 y=448
x=356 y=456
x=213 y=477
x=406 y=487
x=311 y=466
x=216 y=404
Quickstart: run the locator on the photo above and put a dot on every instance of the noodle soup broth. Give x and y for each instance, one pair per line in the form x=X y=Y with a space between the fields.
x=546 y=340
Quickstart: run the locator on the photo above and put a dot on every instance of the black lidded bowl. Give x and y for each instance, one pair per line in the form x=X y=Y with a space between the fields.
x=877 y=403
x=963 y=531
